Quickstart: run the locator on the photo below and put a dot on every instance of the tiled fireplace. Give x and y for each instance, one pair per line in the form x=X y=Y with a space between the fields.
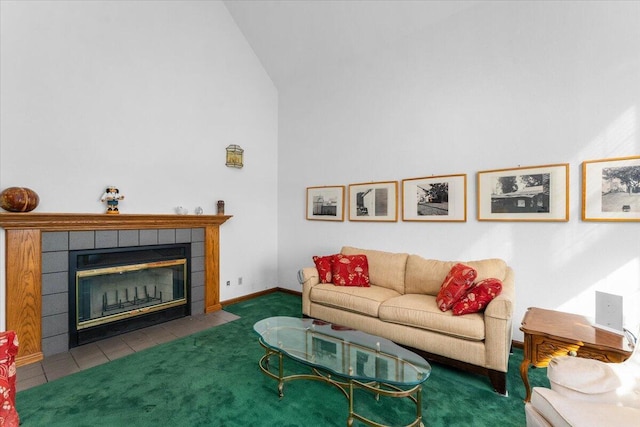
x=37 y=258
x=57 y=309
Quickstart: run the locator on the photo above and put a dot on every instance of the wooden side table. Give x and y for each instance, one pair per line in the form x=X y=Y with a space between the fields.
x=549 y=333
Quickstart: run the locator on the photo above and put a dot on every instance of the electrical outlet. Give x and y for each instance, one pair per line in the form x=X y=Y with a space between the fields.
x=239 y=280
x=228 y=282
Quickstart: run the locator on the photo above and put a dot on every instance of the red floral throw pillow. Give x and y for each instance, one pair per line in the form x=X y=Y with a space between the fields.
x=478 y=297
x=350 y=270
x=455 y=286
x=324 y=265
x=8 y=352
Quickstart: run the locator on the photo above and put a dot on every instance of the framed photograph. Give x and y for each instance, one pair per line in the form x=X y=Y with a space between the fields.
x=435 y=198
x=611 y=189
x=325 y=203
x=373 y=201
x=536 y=193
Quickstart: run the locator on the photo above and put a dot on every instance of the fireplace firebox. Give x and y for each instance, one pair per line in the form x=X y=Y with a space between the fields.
x=113 y=291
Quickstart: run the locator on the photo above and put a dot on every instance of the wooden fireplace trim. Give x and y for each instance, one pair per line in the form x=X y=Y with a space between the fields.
x=23 y=240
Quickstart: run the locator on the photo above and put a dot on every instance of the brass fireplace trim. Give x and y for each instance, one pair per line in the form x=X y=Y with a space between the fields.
x=130 y=267
x=136 y=311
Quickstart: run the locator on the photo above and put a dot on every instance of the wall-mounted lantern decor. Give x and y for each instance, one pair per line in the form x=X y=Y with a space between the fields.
x=234 y=156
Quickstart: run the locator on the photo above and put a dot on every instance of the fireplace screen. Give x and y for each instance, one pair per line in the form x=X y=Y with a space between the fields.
x=117 y=290
x=113 y=293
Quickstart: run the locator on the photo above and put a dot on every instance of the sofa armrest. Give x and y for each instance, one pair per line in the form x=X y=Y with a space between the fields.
x=501 y=307
x=498 y=323
x=308 y=278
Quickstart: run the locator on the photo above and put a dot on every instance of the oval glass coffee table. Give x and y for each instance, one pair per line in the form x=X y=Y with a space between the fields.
x=345 y=358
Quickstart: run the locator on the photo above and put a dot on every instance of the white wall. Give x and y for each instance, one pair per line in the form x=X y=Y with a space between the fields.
x=144 y=95
x=503 y=84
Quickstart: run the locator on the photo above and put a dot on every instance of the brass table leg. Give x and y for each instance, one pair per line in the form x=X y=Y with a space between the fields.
x=419 y=405
x=350 y=419
x=280 y=376
x=347 y=388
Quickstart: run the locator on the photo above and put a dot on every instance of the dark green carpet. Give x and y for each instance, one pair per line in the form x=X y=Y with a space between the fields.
x=212 y=379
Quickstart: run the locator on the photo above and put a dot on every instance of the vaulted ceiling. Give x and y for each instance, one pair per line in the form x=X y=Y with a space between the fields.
x=291 y=37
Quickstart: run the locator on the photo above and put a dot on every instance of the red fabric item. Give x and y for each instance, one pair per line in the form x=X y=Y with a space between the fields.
x=455 y=286
x=324 y=265
x=350 y=270
x=341 y=328
x=8 y=352
x=478 y=297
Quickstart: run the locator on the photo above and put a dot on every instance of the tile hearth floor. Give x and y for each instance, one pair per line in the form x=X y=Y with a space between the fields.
x=97 y=353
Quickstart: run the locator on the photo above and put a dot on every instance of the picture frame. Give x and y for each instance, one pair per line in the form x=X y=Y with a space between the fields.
x=325 y=203
x=373 y=201
x=611 y=189
x=435 y=199
x=534 y=193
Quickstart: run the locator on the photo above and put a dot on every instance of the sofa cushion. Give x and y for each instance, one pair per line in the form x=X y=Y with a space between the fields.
x=350 y=270
x=386 y=269
x=489 y=268
x=356 y=299
x=478 y=297
x=560 y=410
x=425 y=276
x=421 y=311
x=324 y=265
x=592 y=380
x=455 y=286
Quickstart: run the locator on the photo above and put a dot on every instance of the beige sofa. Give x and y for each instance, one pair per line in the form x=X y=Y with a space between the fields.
x=400 y=305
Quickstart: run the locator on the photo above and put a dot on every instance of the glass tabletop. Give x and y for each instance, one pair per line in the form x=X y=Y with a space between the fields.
x=345 y=352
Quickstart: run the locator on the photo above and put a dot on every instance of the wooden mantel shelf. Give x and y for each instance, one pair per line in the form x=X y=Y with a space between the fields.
x=86 y=221
x=24 y=261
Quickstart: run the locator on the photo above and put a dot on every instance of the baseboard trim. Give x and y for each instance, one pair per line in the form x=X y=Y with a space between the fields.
x=258 y=294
